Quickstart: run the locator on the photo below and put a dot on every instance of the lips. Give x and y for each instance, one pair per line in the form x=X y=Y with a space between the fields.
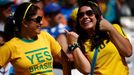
x=86 y=22
x=38 y=26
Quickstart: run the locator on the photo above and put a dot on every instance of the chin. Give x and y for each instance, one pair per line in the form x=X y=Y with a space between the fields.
x=88 y=28
x=38 y=31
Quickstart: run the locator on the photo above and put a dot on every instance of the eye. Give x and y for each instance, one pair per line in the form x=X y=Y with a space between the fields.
x=37 y=20
x=89 y=12
x=80 y=14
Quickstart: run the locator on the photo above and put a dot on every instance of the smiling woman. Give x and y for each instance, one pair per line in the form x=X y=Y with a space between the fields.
x=105 y=45
x=30 y=50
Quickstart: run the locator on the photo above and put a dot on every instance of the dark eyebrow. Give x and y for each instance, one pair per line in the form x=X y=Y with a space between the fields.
x=87 y=10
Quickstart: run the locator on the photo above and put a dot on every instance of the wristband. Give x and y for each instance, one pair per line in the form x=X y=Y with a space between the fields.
x=72 y=47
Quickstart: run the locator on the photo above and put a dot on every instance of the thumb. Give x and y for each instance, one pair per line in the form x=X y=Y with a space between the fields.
x=66 y=31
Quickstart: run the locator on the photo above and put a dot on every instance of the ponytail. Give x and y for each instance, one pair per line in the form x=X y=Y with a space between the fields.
x=9 y=29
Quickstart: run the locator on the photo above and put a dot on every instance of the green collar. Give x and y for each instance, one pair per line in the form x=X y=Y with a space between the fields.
x=28 y=41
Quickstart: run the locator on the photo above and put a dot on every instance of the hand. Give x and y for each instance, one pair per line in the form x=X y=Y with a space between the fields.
x=72 y=37
x=105 y=25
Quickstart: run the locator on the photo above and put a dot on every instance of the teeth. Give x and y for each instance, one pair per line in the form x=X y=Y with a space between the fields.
x=87 y=21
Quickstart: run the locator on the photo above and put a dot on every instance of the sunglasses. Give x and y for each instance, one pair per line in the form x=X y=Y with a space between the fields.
x=88 y=13
x=37 y=20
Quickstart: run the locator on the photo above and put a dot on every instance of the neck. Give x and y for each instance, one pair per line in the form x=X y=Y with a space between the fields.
x=26 y=35
x=90 y=33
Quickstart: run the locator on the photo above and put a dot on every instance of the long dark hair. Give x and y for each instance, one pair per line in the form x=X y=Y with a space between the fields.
x=2 y=35
x=13 y=24
x=98 y=37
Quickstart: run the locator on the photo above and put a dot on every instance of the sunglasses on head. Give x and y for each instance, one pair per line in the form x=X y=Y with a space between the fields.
x=37 y=20
x=88 y=13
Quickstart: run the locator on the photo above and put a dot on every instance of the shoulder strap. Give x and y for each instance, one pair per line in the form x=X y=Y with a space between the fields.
x=94 y=60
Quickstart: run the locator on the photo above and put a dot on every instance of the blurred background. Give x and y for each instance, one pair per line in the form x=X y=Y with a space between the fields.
x=64 y=12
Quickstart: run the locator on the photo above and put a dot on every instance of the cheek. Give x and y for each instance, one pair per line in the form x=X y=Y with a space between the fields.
x=80 y=21
x=32 y=25
x=95 y=21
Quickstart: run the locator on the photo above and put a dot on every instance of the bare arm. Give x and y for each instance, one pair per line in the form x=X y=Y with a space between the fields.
x=122 y=44
x=5 y=55
x=62 y=58
x=63 y=42
x=81 y=62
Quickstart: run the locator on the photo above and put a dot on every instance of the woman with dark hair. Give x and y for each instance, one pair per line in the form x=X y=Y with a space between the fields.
x=30 y=50
x=105 y=45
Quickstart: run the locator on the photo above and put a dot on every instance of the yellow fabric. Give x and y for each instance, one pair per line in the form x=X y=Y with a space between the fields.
x=31 y=58
x=109 y=61
x=74 y=14
x=103 y=7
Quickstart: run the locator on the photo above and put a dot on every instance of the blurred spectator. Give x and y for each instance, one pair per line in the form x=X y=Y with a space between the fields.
x=7 y=69
x=57 y=22
x=131 y=5
x=2 y=38
x=46 y=2
x=72 y=20
x=110 y=10
x=5 y=9
x=40 y=4
x=67 y=7
x=54 y=10
x=20 y=1
x=57 y=25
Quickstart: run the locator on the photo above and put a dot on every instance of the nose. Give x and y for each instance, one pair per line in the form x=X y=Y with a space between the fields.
x=85 y=16
x=41 y=22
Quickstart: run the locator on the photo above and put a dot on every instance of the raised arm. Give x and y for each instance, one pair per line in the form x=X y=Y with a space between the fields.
x=81 y=62
x=122 y=44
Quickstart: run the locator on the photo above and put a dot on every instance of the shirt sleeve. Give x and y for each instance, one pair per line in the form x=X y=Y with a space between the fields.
x=5 y=54
x=54 y=45
x=120 y=30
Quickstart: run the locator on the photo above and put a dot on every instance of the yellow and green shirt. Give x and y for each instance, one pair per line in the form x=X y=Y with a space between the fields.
x=30 y=57
x=109 y=61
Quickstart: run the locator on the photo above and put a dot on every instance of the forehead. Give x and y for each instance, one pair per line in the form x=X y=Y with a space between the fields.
x=85 y=8
x=39 y=13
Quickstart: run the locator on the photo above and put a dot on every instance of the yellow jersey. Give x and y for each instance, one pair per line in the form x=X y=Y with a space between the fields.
x=30 y=57
x=109 y=61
